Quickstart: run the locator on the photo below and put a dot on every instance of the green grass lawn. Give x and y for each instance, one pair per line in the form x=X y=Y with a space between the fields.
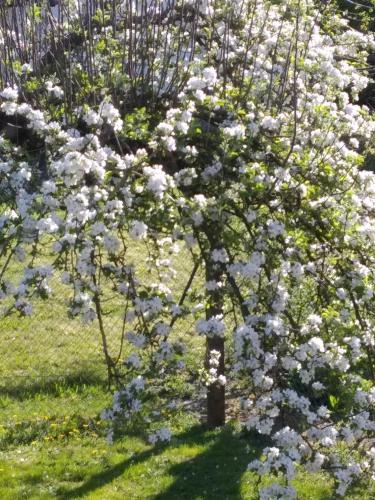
x=52 y=440
x=52 y=446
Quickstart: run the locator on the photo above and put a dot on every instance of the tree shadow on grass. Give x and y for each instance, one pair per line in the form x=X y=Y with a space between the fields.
x=21 y=389
x=106 y=477
x=214 y=473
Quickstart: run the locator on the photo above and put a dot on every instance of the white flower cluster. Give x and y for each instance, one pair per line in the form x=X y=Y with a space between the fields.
x=163 y=434
x=212 y=327
x=106 y=113
x=54 y=90
x=157 y=180
x=126 y=402
x=211 y=376
x=138 y=230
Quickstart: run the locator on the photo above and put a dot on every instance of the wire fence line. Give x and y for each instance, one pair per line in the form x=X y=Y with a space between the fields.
x=49 y=345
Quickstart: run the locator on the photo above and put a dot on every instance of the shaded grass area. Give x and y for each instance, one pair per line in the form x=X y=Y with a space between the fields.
x=197 y=462
x=53 y=446
x=21 y=389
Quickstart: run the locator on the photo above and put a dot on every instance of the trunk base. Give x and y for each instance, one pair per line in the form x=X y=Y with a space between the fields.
x=215 y=406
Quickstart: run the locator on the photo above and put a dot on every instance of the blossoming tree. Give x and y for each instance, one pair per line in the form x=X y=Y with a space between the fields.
x=230 y=132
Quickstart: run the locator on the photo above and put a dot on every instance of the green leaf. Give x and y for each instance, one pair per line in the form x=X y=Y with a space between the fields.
x=333 y=401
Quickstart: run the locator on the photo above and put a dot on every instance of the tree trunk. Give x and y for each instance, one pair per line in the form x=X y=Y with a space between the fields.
x=215 y=392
